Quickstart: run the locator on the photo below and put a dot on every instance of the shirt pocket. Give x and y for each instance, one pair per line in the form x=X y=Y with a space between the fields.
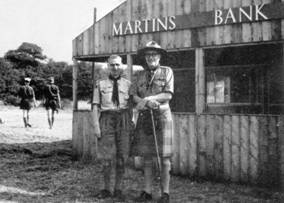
x=123 y=95
x=106 y=93
x=159 y=85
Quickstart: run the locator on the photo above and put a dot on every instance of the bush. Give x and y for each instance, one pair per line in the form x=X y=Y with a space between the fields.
x=11 y=99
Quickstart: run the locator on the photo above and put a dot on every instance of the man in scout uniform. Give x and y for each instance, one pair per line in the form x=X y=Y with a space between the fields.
x=111 y=101
x=27 y=95
x=152 y=91
x=51 y=100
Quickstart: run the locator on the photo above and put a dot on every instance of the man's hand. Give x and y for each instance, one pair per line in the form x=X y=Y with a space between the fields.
x=97 y=132
x=98 y=135
x=152 y=104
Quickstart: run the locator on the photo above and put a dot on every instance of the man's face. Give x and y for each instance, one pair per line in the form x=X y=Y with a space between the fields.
x=114 y=66
x=152 y=58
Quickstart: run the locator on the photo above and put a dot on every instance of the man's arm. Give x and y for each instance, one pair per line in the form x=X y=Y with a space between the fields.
x=59 y=99
x=96 y=111
x=96 y=117
x=161 y=97
x=34 y=100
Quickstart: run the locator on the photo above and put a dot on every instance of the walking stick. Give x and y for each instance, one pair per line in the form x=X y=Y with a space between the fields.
x=157 y=150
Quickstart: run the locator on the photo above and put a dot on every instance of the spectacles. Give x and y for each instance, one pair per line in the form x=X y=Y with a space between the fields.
x=153 y=54
x=114 y=64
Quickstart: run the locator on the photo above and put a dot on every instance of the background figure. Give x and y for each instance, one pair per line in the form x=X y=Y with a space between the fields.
x=52 y=100
x=111 y=100
x=27 y=95
x=152 y=91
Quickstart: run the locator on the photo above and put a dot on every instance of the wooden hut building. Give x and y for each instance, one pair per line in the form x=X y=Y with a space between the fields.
x=228 y=63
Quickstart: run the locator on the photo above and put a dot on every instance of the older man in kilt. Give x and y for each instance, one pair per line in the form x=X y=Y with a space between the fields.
x=152 y=91
x=111 y=101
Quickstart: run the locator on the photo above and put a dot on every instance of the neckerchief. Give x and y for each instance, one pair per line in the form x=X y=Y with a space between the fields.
x=150 y=77
x=115 y=98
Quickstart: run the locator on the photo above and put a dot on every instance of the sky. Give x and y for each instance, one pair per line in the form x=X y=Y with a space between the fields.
x=51 y=24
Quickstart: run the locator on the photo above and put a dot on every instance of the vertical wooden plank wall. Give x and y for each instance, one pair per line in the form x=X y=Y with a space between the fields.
x=183 y=131
x=235 y=176
x=237 y=148
x=201 y=153
x=282 y=26
x=253 y=149
x=210 y=164
x=244 y=147
x=176 y=154
x=83 y=138
x=281 y=150
x=193 y=146
x=227 y=149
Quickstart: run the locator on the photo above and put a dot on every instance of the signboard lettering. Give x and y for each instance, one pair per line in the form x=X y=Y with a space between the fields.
x=144 y=26
x=239 y=15
x=216 y=17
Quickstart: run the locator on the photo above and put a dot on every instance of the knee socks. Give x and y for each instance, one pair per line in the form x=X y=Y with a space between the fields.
x=107 y=173
x=166 y=174
x=119 y=173
x=148 y=173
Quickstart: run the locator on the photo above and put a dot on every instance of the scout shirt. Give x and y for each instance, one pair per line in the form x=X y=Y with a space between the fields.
x=103 y=94
x=159 y=81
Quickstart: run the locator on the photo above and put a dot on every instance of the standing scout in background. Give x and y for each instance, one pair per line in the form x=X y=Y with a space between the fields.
x=51 y=100
x=152 y=91
x=27 y=95
x=111 y=100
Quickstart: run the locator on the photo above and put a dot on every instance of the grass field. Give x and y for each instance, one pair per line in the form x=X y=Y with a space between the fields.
x=36 y=166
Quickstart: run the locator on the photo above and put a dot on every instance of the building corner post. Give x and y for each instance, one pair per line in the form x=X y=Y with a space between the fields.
x=75 y=84
x=199 y=81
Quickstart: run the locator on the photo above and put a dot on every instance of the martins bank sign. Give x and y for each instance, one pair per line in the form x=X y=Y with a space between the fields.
x=217 y=17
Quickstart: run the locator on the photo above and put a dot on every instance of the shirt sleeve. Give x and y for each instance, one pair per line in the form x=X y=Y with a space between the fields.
x=96 y=94
x=169 y=86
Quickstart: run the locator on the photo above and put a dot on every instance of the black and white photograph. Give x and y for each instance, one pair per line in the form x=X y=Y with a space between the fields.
x=126 y=101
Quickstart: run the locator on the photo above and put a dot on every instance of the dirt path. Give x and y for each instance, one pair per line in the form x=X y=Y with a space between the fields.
x=36 y=166
x=13 y=130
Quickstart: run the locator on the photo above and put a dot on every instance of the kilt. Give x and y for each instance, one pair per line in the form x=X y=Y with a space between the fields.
x=26 y=104
x=143 y=143
x=115 y=130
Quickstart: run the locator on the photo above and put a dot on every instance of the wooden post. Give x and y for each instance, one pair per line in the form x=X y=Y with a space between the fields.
x=75 y=85
x=199 y=81
x=129 y=70
x=95 y=15
x=94 y=83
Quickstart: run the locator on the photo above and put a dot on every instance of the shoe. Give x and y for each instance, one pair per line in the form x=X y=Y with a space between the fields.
x=144 y=197
x=103 y=194
x=29 y=125
x=117 y=194
x=165 y=198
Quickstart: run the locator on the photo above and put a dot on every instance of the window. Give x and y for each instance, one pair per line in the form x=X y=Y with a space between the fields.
x=245 y=79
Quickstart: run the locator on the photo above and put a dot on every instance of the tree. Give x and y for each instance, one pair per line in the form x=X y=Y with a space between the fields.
x=27 y=61
x=27 y=54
